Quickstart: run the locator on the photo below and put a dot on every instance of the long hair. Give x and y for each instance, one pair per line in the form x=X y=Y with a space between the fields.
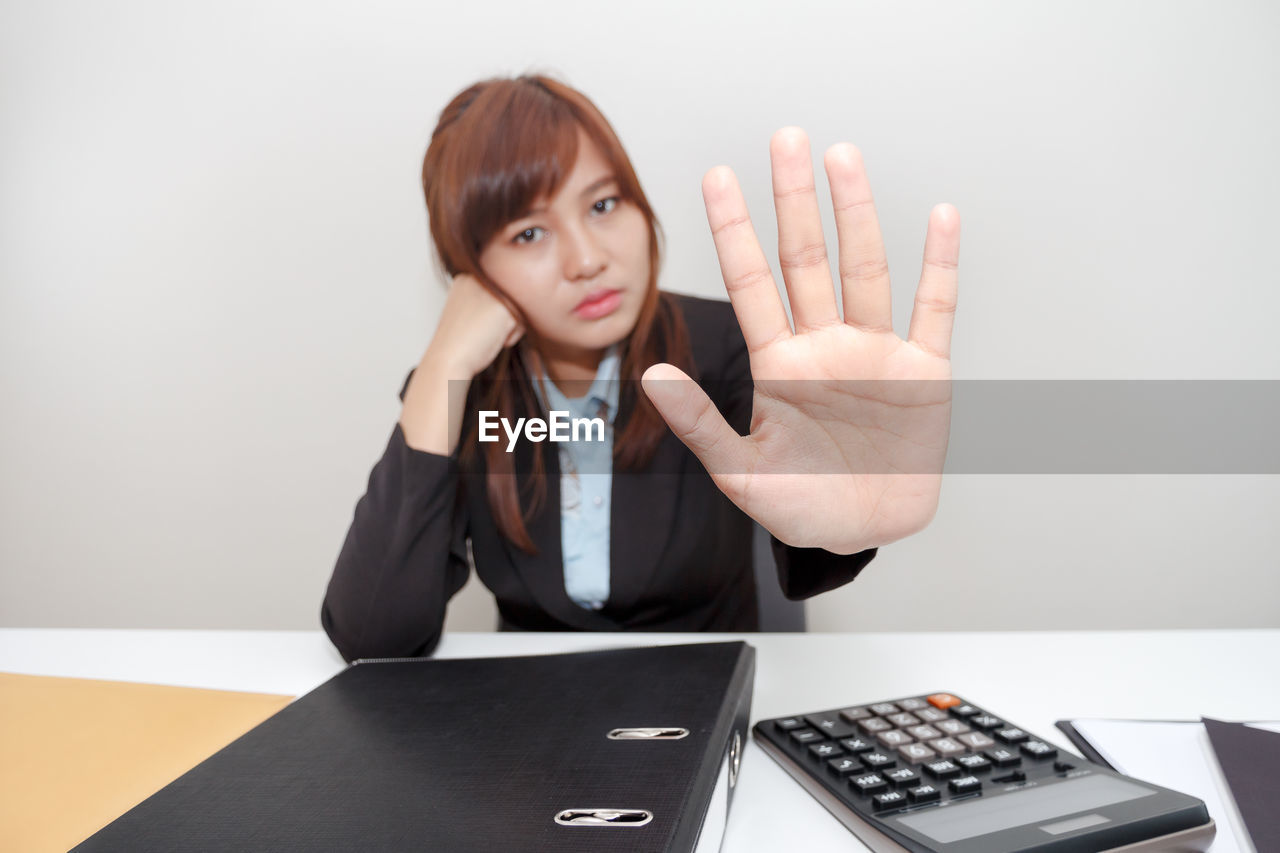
x=498 y=147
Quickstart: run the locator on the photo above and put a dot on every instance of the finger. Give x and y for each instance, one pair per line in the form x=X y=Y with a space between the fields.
x=864 y=270
x=935 y=307
x=747 y=278
x=695 y=420
x=802 y=249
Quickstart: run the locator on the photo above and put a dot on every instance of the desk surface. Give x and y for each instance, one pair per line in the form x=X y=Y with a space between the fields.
x=1032 y=678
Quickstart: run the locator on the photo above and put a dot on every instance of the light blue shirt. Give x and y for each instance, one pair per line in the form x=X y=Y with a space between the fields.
x=586 y=480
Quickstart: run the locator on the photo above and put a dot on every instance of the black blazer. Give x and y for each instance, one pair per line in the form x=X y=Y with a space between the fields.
x=680 y=551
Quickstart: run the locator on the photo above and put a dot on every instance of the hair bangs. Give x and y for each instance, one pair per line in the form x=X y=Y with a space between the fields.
x=529 y=147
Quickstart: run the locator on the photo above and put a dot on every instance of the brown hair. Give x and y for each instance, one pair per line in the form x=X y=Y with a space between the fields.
x=499 y=146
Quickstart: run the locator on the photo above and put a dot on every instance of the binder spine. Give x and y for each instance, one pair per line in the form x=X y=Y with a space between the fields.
x=731 y=728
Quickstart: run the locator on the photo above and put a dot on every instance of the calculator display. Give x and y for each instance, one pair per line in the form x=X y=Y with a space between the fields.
x=1030 y=805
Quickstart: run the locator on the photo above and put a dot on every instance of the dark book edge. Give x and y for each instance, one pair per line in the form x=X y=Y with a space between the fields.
x=1081 y=743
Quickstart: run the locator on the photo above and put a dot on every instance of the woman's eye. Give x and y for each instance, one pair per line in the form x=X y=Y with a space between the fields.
x=528 y=235
x=605 y=205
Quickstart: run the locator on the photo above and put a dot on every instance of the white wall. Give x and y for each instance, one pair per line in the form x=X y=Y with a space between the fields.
x=214 y=272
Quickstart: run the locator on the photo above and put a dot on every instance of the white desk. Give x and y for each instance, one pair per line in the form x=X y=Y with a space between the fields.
x=1033 y=678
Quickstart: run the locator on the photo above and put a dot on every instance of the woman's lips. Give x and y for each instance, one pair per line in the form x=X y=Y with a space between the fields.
x=599 y=304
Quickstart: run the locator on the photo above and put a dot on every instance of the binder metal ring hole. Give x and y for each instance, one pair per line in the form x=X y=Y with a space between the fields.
x=670 y=733
x=735 y=758
x=604 y=817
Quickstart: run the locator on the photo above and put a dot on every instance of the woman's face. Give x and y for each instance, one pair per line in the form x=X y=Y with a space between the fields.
x=577 y=264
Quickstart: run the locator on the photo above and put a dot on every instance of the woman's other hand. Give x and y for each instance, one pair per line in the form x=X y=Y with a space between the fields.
x=850 y=422
x=474 y=327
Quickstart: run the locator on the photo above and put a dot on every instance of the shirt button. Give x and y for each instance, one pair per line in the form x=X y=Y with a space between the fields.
x=597 y=500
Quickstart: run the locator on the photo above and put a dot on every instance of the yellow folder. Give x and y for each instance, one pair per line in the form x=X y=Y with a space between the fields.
x=76 y=753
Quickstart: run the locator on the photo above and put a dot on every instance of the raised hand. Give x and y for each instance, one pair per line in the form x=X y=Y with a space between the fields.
x=850 y=422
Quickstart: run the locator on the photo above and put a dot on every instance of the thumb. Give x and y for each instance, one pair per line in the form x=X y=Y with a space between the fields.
x=695 y=420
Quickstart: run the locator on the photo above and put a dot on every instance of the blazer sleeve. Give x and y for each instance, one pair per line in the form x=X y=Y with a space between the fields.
x=802 y=572
x=404 y=557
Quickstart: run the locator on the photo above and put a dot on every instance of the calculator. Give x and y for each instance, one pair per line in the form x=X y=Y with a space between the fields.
x=939 y=774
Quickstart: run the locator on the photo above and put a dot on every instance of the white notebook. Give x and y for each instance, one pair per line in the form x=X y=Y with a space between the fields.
x=1177 y=755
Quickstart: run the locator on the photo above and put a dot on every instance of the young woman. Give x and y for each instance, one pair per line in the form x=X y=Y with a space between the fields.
x=711 y=413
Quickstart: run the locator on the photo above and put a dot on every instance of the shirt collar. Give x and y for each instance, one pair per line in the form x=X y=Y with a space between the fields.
x=604 y=389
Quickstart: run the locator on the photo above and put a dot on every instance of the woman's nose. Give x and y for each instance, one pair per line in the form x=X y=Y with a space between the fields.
x=583 y=256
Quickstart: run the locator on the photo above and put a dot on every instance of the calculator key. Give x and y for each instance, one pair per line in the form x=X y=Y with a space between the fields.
x=924 y=732
x=805 y=736
x=830 y=725
x=893 y=739
x=965 y=711
x=947 y=747
x=872 y=725
x=857 y=744
x=1039 y=749
x=902 y=776
x=972 y=763
x=845 y=766
x=924 y=794
x=904 y=719
x=826 y=749
x=1062 y=767
x=1012 y=735
x=852 y=715
x=871 y=783
x=951 y=727
x=931 y=715
x=916 y=753
x=943 y=701
x=986 y=722
x=942 y=769
x=787 y=724
x=1003 y=757
x=889 y=800
x=884 y=709
x=965 y=785
x=876 y=760
x=912 y=704
x=976 y=740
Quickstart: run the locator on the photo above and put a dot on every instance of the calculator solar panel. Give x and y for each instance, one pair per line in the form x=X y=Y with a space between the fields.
x=938 y=774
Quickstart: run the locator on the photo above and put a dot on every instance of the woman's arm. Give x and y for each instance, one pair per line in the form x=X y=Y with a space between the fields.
x=404 y=557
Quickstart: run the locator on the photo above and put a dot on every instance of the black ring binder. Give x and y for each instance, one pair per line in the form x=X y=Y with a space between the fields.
x=471 y=755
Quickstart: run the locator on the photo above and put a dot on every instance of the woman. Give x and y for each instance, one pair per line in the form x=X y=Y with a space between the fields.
x=539 y=218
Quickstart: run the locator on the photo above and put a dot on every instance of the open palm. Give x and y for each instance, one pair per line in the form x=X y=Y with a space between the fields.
x=849 y=422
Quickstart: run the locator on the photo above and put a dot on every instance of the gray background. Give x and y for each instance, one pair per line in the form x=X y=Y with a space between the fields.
x=215 y=273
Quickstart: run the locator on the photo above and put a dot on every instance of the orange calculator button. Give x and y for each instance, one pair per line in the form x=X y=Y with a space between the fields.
x=943 y=701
